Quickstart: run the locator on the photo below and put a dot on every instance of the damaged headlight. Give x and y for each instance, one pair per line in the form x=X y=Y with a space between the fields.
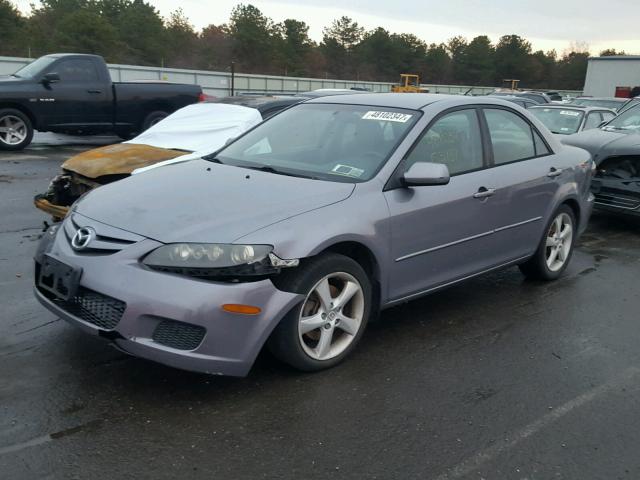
x=216 y=260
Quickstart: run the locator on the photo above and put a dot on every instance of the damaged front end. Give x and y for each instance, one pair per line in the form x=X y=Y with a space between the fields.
x=62 y=192
x=94 y=168
x=616 y=184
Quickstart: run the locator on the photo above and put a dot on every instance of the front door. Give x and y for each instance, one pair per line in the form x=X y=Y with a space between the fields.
x=79 y=99
x=443 y=233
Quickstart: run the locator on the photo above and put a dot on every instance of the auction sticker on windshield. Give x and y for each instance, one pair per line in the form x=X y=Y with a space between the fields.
x=569 y=112
x=387 y=116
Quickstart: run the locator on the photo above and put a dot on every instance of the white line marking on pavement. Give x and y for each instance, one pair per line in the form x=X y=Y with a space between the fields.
x=9 y=158
x=29 y=443
x=472 y=463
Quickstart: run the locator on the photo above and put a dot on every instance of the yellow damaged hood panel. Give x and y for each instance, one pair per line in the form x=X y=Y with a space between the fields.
x=119 y=159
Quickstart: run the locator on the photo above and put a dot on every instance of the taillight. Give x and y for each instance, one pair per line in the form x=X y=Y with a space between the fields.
x=202 y=97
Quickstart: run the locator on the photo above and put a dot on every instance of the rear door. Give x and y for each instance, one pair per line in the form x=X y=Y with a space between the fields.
x=526 y=174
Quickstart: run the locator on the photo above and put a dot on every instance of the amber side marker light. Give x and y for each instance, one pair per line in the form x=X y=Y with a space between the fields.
x=243 y=309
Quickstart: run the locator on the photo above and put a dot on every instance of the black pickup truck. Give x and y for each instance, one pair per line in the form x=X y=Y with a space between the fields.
x=73 y=93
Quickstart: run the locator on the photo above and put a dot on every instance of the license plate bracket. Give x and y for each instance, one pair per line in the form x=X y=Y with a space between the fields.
x=58 y=277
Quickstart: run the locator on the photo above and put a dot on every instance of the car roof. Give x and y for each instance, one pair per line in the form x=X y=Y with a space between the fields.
x=413 y=101
x=608 y=99
x=569 y=106
x=327 y=92
x=259 y=102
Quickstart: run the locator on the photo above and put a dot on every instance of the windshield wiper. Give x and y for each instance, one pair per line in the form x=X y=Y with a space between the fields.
x=270 y=169
x=214 y=159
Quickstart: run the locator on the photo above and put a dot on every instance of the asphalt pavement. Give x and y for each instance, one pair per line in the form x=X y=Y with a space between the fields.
x=497 y=378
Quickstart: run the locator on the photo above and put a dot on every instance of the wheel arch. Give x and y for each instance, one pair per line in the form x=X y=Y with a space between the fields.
x=573 y=204
x=23 y=109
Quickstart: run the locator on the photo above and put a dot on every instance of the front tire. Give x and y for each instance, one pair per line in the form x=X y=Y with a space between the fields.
x=555 y=249
x=16 y=130
x=327 y=325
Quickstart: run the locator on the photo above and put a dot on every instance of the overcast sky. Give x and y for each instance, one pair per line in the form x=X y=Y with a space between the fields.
x=546 y=23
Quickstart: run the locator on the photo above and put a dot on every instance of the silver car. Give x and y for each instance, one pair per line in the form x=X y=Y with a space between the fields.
x=300 y=231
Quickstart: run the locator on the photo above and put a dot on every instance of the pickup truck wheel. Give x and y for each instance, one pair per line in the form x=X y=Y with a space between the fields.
x=327 y=325
x=16 y=130
x=153 y=118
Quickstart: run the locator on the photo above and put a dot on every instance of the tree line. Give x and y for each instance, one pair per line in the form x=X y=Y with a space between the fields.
x=134 y=32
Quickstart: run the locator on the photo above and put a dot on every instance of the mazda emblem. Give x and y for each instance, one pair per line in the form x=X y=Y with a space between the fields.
x=82 y=238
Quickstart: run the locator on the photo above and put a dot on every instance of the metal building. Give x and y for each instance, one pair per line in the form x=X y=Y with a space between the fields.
x=608 y=75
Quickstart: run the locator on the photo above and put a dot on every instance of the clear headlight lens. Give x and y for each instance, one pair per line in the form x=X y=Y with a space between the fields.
x=206 y=255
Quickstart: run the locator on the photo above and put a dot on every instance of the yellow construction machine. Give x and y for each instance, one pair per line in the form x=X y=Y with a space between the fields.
x=409 y=84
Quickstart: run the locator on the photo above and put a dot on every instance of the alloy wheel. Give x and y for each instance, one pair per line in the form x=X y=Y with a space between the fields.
x=559 y=242
x=331 y=316
x=13 y=130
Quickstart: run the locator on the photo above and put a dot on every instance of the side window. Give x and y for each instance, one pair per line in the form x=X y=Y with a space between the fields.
x=541 y=147
x=511 y=136
x=453 y=140
x=76 y=70
x=606 y=116
x=593 y=120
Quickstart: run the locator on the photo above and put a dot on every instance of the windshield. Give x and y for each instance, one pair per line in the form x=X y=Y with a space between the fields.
x=628 y=120
x=347 y=143
x=561 y=121
x=35 y=67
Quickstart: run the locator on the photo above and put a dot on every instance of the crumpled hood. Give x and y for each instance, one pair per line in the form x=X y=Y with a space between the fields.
x=118 y=159
x=200 y=201
x=602 y=143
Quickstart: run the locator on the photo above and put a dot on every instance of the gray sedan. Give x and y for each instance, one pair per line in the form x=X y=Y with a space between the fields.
x=300 y=231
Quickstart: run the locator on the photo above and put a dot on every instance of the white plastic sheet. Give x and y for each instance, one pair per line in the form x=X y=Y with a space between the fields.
x=200 y=127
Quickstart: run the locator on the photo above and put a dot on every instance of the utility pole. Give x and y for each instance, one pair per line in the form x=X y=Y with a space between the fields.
x=233 y=78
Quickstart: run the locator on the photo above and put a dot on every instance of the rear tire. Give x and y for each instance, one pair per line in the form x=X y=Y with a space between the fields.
x=16 y=130
x=327 y=325
x=151 y=119
x=555 y=249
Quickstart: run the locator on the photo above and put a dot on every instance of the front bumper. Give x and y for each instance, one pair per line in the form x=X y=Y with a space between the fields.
x=231 y=341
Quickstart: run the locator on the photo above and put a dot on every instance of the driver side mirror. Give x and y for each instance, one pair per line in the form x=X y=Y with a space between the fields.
x=50 y=78
x=425 y=174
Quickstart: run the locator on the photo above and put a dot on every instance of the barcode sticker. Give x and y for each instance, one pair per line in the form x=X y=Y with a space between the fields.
x=387 y=116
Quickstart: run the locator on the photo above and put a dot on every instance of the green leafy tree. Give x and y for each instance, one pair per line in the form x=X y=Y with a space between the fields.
x=338 y=43
x=478 y=62
x=411 y=54
x=611 y=52
x=215 y=47
x=376 y=56
x=294 y=46
x=12 y=26
x=437 y=64
x=572 y=70
x=254 y=42
x=181 y=41
x=140 y=30
x=543 y=69
x=512 y=58
x=457 y=47
x=85 y=31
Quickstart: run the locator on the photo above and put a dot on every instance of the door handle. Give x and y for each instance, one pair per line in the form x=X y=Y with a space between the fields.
x=484 y=192
x=554 y=172
x=94 y=91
